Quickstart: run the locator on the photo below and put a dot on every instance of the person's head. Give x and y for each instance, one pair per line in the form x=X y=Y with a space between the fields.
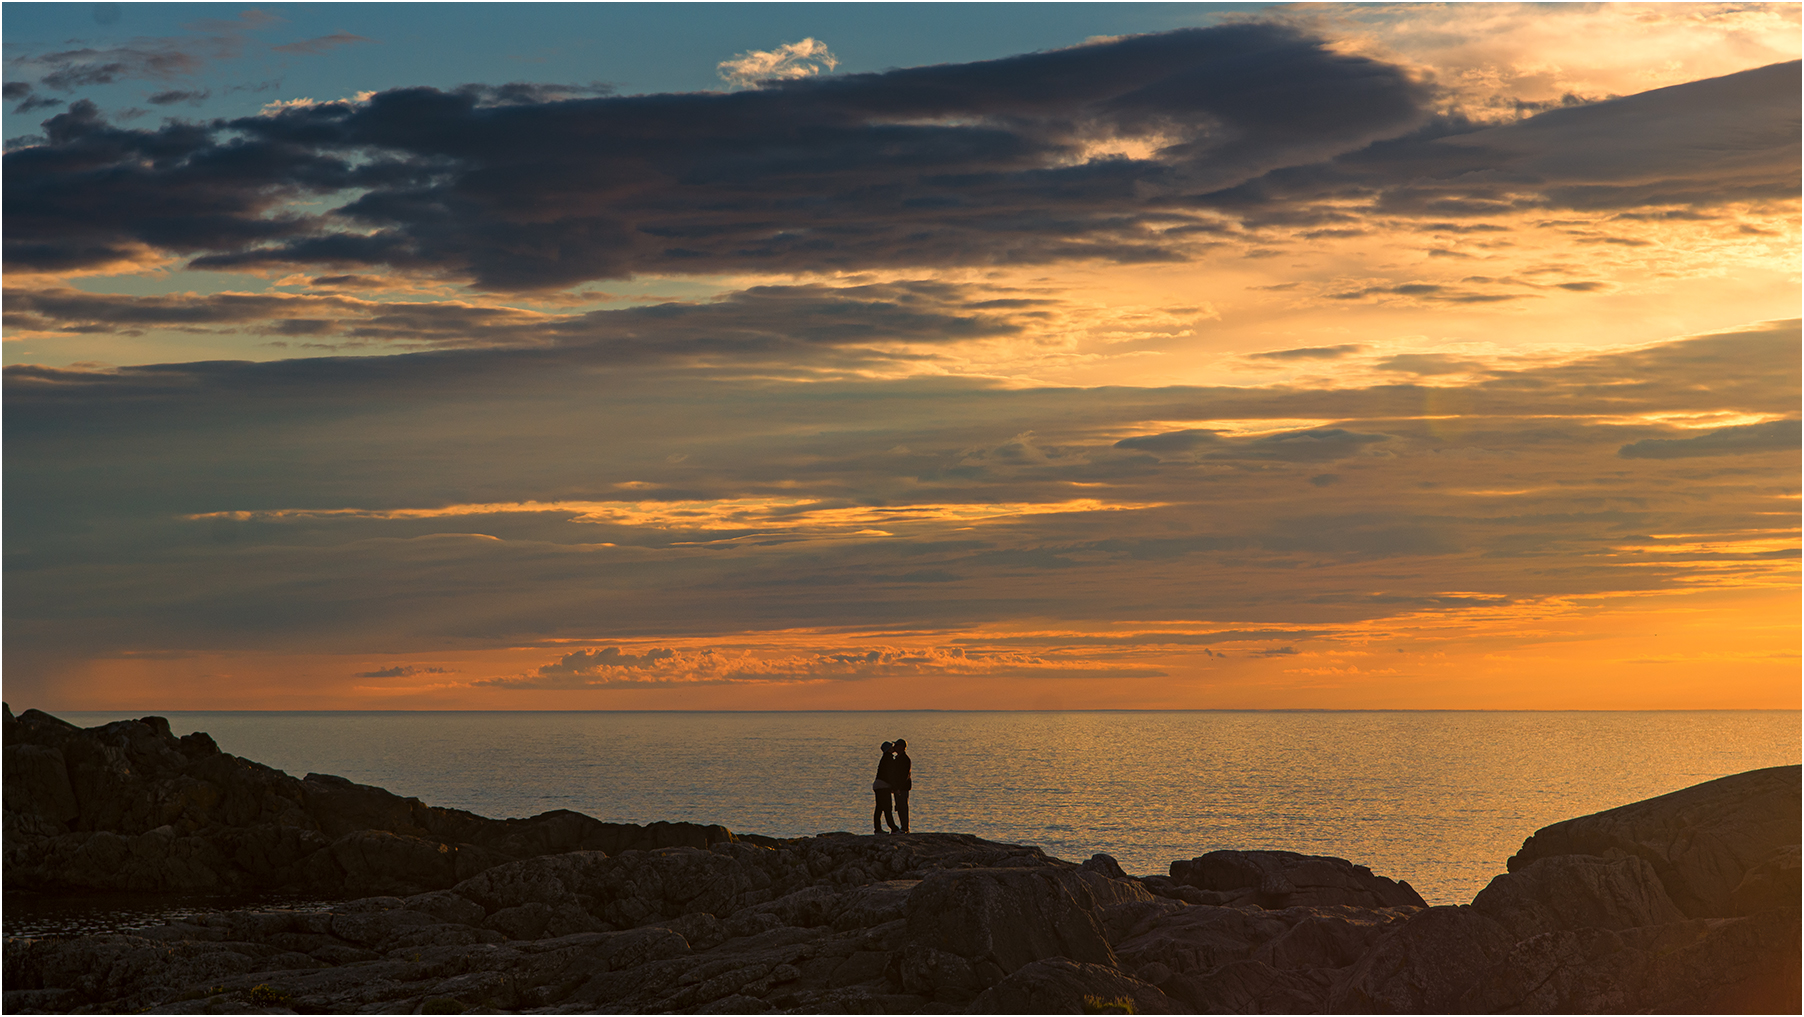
x=888 y=748
x=901 y=744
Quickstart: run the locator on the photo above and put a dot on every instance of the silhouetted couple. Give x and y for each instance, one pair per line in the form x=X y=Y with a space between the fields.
x=891 y=786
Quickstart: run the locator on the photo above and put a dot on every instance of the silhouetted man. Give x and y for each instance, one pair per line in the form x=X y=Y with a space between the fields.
x=901 y=780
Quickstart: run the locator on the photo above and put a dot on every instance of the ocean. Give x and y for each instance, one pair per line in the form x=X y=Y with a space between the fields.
x=1438 y=798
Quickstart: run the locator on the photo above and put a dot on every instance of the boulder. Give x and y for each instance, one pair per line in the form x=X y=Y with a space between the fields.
x=1701 y=842
x=1280 y=879
x=1570 y=892
x=1104 y=865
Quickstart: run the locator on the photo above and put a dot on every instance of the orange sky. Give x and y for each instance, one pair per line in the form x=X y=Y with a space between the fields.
x=1135 y=395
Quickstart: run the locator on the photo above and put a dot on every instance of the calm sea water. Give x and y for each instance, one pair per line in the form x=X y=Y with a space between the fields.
x=1437 y=798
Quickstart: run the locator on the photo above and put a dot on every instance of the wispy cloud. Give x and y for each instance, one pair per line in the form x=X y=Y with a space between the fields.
x=321 y=44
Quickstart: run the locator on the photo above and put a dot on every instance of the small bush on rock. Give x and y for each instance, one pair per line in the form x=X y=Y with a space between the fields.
x=264 y=995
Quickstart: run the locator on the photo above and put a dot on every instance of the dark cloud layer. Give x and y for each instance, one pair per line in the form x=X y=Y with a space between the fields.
x=984 y=163
x=1698 y=145
x=1771 y=436
x=763 y=318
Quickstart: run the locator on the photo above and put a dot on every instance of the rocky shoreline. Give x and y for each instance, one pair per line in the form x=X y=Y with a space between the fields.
x=1684 y=903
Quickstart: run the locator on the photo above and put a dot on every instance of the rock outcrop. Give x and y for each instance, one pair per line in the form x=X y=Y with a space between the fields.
x=129 y=806
x=1281 y=879
x=1724 y=848
x=1686 y=902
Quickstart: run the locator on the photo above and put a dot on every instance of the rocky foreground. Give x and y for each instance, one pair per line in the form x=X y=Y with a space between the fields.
x=1684 y=903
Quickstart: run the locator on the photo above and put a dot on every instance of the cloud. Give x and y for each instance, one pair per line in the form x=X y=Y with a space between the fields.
x=1497 y=61
x=612 y=668
x=1308 y=446
x=37 y=102
x=658 y=505
x=1771 y=436
x=787 y=62
x=175 y=95
x=155 y=59
x=760 y=319
x=594 y=662
x=1310 y=353
x=524 y=93
x=966 y=164
x=403 y=671
x=321 y=44
x=1429 y=364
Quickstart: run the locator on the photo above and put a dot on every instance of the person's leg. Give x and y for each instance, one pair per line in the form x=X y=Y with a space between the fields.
x=882 y=812
x=902 y=807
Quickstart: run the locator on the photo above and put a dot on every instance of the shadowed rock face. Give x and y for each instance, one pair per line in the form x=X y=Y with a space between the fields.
x=128 y=806
x=1702 y=843
x=919 y=923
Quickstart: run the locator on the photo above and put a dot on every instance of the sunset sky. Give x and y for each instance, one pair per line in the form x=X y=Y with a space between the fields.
x=829 y=356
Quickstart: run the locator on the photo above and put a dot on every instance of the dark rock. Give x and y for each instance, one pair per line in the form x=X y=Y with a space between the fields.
x=1424 y=964
x=1061 y=985
x=38 y=779
x=1744 y=965
x=1279 y=879
x=563 y=914
x=1104 y=865
x=1701 y=841
x=129 y=806
x=1249 y=960
x=1252 y=987
x=1569 y=892
x=1774 y=883
x=1009 y=917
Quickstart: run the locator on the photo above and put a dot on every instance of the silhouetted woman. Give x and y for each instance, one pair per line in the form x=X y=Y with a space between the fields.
x=884 y=787
x=901 y=780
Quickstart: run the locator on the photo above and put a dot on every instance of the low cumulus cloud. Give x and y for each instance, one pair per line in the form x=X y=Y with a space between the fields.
x=403 y=671
x=787 y=62
x=612 y=668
